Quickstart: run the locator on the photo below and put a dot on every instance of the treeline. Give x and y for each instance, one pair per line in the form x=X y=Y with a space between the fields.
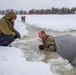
x=18 y=12
x=42 y=11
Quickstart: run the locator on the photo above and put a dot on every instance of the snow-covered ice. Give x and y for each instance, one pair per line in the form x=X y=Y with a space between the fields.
x=12 y=59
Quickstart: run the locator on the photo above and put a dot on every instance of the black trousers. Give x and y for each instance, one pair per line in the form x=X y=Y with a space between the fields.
x=5 y=40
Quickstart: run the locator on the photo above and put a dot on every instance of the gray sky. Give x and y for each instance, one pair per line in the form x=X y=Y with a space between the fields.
x=35 y=4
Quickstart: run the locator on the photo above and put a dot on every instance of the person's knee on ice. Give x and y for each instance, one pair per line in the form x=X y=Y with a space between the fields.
x=5 y=40
x=8 y=40
x=1 y=44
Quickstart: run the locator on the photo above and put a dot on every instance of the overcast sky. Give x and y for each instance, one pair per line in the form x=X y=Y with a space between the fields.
x=35 y=4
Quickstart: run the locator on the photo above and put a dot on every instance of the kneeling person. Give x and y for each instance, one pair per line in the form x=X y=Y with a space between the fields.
x=7 y=31
x=47 y=40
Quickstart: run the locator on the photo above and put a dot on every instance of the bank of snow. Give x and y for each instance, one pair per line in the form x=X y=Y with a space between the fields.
x=53 y=22
x=13 y=62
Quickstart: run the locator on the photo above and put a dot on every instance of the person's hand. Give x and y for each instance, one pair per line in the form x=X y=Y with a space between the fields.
x=41 y=47
x=17 y=35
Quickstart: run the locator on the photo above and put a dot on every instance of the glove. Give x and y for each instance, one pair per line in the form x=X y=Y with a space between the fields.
x=41 y=47
x=17 y=35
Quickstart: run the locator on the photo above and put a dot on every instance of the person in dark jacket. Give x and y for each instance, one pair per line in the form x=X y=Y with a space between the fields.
x=48 y=41
x=7 y=31
x=23 y=18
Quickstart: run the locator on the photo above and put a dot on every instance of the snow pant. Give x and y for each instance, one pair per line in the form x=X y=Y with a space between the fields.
x=5 y=40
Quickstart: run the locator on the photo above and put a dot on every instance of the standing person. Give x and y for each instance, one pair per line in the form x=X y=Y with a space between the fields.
x=7 y=31
x=24 y=17
x=47 y=40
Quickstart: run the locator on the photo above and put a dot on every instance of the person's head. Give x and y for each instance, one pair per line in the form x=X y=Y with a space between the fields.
x=10 y=16
x=42 y=34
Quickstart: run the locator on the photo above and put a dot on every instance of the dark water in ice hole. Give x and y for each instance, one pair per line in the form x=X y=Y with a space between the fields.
x=66 y=47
